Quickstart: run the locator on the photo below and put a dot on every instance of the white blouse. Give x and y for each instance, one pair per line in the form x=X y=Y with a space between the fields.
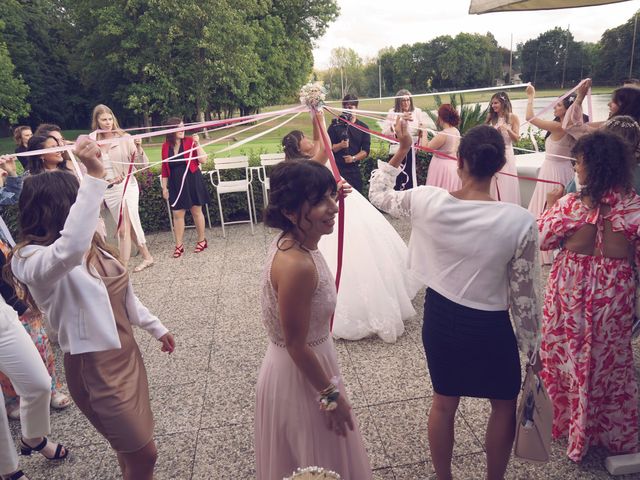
x=480 y=254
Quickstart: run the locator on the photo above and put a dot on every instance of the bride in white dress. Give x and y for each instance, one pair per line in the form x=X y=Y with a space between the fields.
x=376 y=287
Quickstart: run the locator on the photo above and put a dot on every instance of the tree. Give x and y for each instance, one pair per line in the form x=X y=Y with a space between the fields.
x=13 y=95
x=38 y=35
x=613 y=54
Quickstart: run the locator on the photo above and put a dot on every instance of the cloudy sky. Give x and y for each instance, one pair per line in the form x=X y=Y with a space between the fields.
x=369 y=25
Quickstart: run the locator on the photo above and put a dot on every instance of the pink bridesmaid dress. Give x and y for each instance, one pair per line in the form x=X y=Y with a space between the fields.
x=290 y=429
x=443 y=171
x=506 y=187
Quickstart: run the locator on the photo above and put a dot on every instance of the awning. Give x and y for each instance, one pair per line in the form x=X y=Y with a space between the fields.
x=488 y=6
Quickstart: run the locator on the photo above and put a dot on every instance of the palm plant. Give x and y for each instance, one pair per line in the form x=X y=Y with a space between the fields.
x=470 y=116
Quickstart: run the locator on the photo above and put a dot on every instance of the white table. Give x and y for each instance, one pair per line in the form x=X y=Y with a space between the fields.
x=528 y=165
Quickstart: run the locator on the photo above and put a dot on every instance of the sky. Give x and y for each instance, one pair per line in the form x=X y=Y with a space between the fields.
x=370 y=25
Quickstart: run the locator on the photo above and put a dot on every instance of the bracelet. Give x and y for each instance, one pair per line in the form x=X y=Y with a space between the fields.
x=329 y=402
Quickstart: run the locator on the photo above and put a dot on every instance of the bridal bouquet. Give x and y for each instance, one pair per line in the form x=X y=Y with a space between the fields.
x=312 y=95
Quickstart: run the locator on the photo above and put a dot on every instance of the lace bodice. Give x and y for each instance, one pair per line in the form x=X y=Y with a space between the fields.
x=507 y=139
x=323 y=302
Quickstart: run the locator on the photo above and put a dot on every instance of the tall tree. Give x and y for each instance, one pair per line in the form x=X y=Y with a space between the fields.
x=13 y=95
x=614 y=53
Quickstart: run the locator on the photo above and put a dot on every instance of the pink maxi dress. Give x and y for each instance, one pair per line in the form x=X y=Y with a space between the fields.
x=586 y=331
x=506 y=187
x=443 y=171
x=556 y=168
x=290 y=429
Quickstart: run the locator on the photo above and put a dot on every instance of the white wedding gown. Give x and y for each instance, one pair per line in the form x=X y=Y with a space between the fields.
x=376 y=287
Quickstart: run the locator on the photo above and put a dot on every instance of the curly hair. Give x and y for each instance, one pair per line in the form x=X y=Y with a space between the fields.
x=607 y=159
x=482 y=150
x=448 y=114
x=293 y=184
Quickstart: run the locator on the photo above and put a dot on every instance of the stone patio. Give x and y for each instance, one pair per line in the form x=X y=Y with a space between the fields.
x=203 y=394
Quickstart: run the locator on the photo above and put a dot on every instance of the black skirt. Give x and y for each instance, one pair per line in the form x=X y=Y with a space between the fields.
x=470 y=353
x=194 y=191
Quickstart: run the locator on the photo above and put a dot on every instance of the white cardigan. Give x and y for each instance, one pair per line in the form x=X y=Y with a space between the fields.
x=480 y=254
x=76 y=302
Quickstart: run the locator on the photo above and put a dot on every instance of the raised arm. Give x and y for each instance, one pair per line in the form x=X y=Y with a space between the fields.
x=550 y=126
x=524 y=295
x=383 y=179
x=319 y=129
x=49 y=264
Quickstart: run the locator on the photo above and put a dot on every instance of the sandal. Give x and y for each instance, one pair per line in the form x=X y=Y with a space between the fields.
x=144 y=264
x=14 y=412
x=60 y=401
x=200 y=246
x=177 y=253
x=15 y=476
x=26 y=449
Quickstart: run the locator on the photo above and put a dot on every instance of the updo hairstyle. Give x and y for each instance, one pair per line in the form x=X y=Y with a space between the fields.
x=482 y=151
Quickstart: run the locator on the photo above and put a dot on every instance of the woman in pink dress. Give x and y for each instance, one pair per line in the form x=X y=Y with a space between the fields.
x=506 y=187
x=443 y=171
x=589 y=301
x=303 y=417
x=557 y=160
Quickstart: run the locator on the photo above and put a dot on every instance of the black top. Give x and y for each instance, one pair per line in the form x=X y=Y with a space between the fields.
x=23 y=160
x=358 y=140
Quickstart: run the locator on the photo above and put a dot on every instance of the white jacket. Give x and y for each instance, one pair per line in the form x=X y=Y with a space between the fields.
x=76 y=302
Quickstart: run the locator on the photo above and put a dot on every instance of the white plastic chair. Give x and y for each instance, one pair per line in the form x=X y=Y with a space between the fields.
x=233 y=186
x=206 y=207
x=267 y=160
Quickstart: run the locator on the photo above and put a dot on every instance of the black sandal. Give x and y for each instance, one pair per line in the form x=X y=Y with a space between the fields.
x=26 y=450
x=16 y=476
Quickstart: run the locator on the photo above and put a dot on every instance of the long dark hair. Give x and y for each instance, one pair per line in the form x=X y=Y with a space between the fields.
x=291 y=146
x=566 y=102
x=628 y=101
x=44 y=206
x=170 y=138
x=294 y=183
x=608 y=161
x=35 y=163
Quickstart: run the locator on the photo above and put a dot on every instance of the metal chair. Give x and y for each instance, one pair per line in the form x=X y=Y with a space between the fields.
x=206 y=207
x=267 y=160
x=233 y=186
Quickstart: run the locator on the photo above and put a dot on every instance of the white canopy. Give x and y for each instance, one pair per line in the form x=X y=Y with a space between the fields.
x=488 y=6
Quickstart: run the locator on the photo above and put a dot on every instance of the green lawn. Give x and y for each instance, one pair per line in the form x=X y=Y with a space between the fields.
x=270 y=143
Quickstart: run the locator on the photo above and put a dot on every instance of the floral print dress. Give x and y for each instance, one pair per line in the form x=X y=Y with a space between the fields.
x=586 y=334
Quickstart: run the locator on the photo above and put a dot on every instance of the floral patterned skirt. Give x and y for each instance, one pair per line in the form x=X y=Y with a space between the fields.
x=34 y=325
x=586 y=353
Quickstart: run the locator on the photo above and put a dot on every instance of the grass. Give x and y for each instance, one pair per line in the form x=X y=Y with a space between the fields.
x=270 y=143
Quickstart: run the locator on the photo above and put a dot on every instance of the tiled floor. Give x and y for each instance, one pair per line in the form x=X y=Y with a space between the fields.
x=203 y=394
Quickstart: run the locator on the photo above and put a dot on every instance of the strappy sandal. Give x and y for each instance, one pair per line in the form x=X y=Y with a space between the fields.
x=60 y=401
x=200 y=246
x=177 y=253
x=27 y=450
x=143 y=264
x=15 y=476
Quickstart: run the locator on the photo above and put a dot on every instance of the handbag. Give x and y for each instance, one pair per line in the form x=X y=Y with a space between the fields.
x=534 y=418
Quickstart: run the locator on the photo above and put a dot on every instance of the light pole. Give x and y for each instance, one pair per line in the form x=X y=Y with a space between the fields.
x=379 y=82
x=633 y=43
x=566 y=54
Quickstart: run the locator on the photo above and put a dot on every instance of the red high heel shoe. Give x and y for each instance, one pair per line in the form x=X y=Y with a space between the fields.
x=200 y=246
x=177 y=253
